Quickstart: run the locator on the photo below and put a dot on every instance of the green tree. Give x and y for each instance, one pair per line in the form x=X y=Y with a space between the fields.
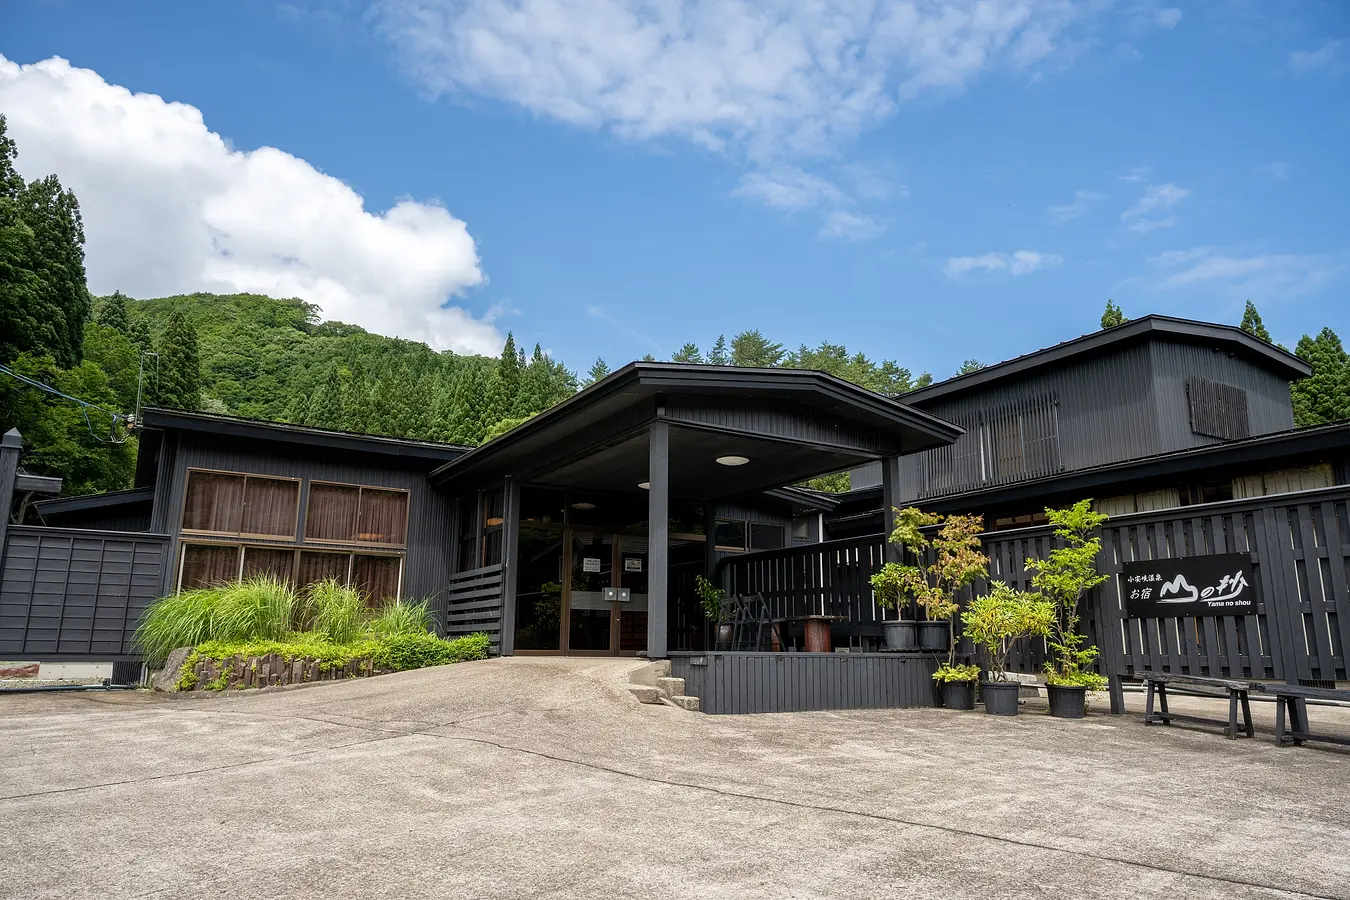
x=688 y=353
x=970 y=365
x=1113 y=316
x=1251 y=323
x=180 y=378
x=111 y=350
x=719 y=355
x=471 y=414
x=508 y=373
x=599 y=369
x=111 y=312
x=1323 y=396
x=504 y=426
x=357 y=411
x=1063 y=578
x=752 y=349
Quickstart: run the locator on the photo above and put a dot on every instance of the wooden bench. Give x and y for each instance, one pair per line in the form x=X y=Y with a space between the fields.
x=1157 y=683
x=1292 y=698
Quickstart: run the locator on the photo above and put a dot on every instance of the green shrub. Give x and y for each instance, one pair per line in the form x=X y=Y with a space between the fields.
x=257 y=607
x=400 y=617
x=338 y=611
x=417 y=651
x=947 y=673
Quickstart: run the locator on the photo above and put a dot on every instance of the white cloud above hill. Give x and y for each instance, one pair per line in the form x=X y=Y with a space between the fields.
x=170 y=207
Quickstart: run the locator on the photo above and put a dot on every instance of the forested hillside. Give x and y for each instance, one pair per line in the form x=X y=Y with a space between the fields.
x=71 y=366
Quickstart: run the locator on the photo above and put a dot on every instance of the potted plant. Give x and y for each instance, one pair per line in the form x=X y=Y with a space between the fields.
x=996 y=622
x=891 y=588
x=1063 y=577
x=958 y=559
x=710 y=597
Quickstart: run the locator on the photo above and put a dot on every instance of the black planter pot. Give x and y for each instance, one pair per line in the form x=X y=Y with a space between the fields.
x=1066 y=701
x=933 y=635
x=725 y=635
x=1000 y=697
x=902 y=635
x=958 y=694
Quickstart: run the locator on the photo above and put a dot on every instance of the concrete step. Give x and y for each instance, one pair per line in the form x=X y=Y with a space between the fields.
x=670 y=687
x=689 y=703
x=645 y=694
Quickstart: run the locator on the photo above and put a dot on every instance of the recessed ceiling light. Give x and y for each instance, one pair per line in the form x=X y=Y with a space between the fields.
x=732 y=460
x=583 y=506
x=645 y=485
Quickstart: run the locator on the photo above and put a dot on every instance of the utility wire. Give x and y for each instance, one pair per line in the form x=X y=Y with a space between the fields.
x=84 y=405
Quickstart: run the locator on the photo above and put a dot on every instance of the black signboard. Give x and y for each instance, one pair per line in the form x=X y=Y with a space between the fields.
x=1218 y=585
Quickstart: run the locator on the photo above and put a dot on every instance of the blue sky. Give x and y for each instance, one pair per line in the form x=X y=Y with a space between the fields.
x=927 y=182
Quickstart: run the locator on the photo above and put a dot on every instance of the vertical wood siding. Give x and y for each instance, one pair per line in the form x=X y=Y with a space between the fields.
x=798 y=682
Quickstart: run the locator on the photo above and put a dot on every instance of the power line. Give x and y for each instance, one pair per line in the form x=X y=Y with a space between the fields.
x=84 y=405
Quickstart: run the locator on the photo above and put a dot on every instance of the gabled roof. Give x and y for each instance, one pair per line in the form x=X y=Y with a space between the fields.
x=635 y=389
x=256 y=429
x=108 y=500
x=1149 y=327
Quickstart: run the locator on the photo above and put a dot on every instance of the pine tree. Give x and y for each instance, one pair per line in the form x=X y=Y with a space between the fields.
x=325 y=407
x=112 y=313
x=470 y=405
x=140 y=336
x=533 y=396
x=970 y=365
x=298 y=410
x=687 y=354
x=356 y=391
x=752 y=349
x=1251 y=323
x=1113 y=316
x=599 y=369
x=508 y=374
x=180 y=375
x=718 y=355
x=1324 y=396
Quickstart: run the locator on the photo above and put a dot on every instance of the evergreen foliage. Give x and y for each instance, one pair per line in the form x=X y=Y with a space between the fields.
x=1323 y=396
x=178 y=385
x=719 y=355
x=1113 y=316
x=599 y=369
x=1251 y=323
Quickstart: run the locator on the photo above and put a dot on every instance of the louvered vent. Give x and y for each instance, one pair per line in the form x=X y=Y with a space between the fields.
x=1218 y=410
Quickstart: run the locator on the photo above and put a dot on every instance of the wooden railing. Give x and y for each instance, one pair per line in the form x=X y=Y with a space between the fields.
x=473 y=603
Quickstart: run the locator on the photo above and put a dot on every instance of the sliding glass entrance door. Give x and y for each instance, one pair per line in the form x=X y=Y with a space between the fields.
x=590 y=615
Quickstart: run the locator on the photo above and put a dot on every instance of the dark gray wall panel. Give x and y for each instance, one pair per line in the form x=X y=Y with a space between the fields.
x=1268 y=404
x=781 y=419
x=76 y=594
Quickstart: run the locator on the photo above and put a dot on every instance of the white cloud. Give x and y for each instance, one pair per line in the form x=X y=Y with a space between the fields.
x=1167 y=18
x=1079 y=206
x=1262 y=274
x=769 y=77
x=1327 y=56
x=1020 y=262
x=1157 y=198
x=788 y=188
x=169 y=207
x=851 y=226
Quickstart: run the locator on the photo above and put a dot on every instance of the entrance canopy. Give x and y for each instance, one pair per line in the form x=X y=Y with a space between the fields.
x=774 y=426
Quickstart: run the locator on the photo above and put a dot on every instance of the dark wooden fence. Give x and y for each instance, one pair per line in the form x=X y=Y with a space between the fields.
x=72 y=594
x=473 y=603
x=796 y=682
x=1299 y=545
x=829 y=578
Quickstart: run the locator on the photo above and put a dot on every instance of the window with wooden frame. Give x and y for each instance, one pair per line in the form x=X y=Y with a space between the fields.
x=242 y=505
x=377 y=577
x=356 y=514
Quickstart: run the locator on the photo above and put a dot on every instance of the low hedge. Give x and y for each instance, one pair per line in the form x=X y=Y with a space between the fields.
x=394 y=653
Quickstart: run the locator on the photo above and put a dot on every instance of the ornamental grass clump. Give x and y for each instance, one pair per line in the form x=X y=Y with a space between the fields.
x=1064 y=577
x=400 y=618
x=260 y=606
x=338 y=612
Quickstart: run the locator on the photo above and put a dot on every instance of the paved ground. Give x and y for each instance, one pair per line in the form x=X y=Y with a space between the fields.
x=541 y=778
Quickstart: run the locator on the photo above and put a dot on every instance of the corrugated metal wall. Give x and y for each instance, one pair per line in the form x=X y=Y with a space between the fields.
x=73 y=594
x=427 y=565
x=1268 y=404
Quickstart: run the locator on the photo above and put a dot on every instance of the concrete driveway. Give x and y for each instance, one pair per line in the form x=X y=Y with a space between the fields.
x=543 y=778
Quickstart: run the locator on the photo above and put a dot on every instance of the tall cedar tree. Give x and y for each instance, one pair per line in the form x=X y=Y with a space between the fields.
x=180 y=376
x=1113 y=316
x=719 y=355
x=1251 y=323
x=1323 y=396
x=599 y=369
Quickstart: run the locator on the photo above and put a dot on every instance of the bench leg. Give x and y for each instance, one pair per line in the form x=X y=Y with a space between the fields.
x=1162 y=701
x=1231 y=730
x=1148 y=704
x=1280 y=702
x=1298 y=718
x=1247 y=716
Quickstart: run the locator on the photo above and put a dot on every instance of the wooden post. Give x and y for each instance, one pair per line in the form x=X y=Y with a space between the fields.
x=11 y=445
x=510 y=558
x=890 y=499
x=658 y=528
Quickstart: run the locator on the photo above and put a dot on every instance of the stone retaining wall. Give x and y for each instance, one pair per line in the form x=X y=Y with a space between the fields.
x=265 y=671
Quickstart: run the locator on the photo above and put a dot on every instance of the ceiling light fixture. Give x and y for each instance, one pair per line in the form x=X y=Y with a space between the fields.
x=583 y=505
x=732 y=460
x=645 y=485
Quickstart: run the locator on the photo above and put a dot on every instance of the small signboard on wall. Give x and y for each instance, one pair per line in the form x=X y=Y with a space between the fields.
x=1219 y=585
x=590 y=564
x=632 y=564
